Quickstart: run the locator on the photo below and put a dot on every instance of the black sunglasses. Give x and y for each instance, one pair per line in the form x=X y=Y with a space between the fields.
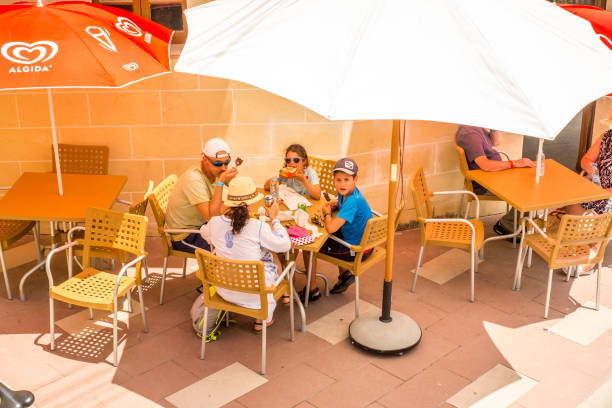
x=295 y=160
x=221 y=163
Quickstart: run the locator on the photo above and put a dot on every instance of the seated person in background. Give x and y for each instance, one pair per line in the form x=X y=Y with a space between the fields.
x=196 y=197
x=305 y=181
x=350 y=222
x=478 y=145
x=599 y=153
x=236 y=236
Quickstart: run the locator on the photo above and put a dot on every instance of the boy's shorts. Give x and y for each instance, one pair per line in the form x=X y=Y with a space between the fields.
x=191 y=243
x=337 y=250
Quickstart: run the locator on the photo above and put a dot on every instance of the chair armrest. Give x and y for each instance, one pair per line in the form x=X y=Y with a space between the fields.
x=354 y=248
x=535 y=226
x=122 y=201
x=289 y=269
x=73 y=229
x=178 y=231
x=51 y=255
x=474 y=196
x=459 y=220
x=376 y=213
x=504 y=154
x=123 y=271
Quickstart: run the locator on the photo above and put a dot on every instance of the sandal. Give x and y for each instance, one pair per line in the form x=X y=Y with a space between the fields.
x=285 y=300
x=258 y=326
x=313 y=295
x=344 y=281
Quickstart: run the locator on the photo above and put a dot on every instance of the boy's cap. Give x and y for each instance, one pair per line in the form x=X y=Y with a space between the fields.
x=347 y=166
x=214 y=146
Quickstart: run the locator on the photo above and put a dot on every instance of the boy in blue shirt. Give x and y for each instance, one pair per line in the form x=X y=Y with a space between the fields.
x=349 y=224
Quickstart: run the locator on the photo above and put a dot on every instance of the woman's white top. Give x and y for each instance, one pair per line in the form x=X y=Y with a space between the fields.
x=255 y=242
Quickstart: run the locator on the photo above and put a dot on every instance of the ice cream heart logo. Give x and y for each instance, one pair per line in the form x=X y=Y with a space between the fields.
x=606 y=40
x=24 y=53
x=127 y=26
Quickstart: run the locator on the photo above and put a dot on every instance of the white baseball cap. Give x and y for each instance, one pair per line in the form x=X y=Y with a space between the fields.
x=214 y=146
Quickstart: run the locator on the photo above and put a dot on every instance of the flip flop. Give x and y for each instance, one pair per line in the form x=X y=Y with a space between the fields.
x=258 y=326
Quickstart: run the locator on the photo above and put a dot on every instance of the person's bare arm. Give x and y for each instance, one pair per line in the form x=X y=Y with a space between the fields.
x=496 y=165
x=332 y=224
x=590 y=157
x=215 y=206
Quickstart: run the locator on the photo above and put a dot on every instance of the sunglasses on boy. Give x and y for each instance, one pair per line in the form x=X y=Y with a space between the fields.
x=217 y=163
x=296 y=160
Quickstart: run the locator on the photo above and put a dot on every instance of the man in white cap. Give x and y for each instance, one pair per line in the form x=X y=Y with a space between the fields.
x=196 y=197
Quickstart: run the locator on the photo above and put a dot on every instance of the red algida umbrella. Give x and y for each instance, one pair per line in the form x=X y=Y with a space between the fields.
x=75 y=44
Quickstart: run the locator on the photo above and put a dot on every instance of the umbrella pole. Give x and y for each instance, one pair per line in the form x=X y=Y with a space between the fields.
x=55 y=148
x=539 y=160
x=389 y=332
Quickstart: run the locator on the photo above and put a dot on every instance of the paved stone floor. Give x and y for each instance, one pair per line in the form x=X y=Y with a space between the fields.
x=495 y=352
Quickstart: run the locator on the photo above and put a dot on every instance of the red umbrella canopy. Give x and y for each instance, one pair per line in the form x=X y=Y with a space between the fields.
x=78 y=44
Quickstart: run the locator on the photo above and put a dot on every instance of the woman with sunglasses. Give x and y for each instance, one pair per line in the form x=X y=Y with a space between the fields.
x=305 y=181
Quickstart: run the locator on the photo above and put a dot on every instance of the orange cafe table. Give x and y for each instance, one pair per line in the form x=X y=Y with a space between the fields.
x=34 y=197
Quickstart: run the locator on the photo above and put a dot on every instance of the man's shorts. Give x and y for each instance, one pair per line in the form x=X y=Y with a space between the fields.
x=191 y=243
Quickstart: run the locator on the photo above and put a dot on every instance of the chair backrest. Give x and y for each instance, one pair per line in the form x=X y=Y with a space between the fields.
x=159 y=200
x=584 y=230
x=324 y=169
x=420 y=195
x=116 y=230
x=463 y=166
x=238 y=276
x=375 y=232
x=12 y=230
x=82 y=159
x=140 y=207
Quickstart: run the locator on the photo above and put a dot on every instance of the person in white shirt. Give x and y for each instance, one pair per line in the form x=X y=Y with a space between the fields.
x=234 y=235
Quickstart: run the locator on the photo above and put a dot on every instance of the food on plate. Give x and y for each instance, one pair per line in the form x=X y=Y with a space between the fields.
x=238 y=161
x=288 y=172
x=317 y=220
x=326 y=195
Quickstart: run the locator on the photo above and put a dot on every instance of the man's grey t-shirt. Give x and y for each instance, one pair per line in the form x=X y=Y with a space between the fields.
x=476 y=142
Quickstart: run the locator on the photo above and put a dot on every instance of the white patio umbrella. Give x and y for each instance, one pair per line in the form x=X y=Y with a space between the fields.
x=499 y=64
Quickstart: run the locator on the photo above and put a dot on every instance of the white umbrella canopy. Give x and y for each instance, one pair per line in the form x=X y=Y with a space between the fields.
x=522 y=66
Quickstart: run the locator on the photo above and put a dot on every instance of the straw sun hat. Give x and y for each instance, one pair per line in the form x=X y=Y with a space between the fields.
x=241 y=190
x=609 y=120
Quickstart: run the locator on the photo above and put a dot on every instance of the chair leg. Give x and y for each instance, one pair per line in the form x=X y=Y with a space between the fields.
x=116 y=312
x=308 y=274
x=325 y=283
x=291 y=311
x=548 y=287
x=515 y=226
x=296 y=299
x=356 y=296
x=518 y=272
x=52 y=323
x=467 y=209
x=142 y=310
x=416 y=270
x=227 y=319
x=569 y=273
x=163 y=282
x=472 y=268
x=146 y=269
x=263 y=346
x=91 y=313
x=6 y=280
x=184 y=268
x=599 y=265
x=203 y=348
x=37 y=240
x=128 y=297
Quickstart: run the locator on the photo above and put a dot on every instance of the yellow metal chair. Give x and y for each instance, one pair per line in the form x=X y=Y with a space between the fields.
x=82 y=159
x=465 y=172
x=136 y=208
x=245 y=277
x=159 y=203
x=96 y=289
x=374 y=236
x=569 y=246
x=448 y=232
x=324 y=169
x=11 y=231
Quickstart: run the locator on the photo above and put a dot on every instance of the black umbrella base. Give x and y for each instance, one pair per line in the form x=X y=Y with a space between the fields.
x=396 y=337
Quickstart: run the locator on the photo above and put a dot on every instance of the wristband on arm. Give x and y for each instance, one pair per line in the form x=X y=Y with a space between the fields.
x=511 y=164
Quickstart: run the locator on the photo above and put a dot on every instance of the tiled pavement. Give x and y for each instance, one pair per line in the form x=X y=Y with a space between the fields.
x=495 y=352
